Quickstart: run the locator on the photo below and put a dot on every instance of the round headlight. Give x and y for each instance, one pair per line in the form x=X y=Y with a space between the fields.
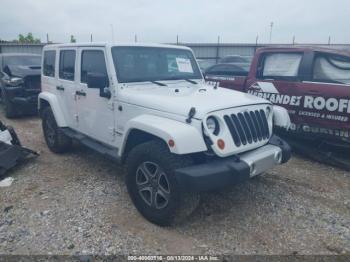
x=213 y=125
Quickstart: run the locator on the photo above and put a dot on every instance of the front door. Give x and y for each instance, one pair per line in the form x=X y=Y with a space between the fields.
x=66 y=87
x=96 y=113
x=278 y=79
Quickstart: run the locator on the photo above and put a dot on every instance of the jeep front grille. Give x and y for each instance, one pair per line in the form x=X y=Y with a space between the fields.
x=248 y=127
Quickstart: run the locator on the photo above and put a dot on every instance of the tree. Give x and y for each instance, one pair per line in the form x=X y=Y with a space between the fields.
x=28 y=39
x=72 y=39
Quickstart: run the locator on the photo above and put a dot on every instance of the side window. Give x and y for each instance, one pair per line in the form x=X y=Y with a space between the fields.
x=280 y=66
x=331 y=69
x=49 y=63
x=92 y=61
x=67 y=65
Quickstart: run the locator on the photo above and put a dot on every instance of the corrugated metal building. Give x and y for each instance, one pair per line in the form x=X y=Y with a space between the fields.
x=206 y=51
x=21 y=48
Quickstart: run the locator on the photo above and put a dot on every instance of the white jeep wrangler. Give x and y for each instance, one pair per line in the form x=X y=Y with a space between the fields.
x=148 y=107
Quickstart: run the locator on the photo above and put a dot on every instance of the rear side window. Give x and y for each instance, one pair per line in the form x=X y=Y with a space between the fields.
x=332 y=69
x=92 y=61
x=49 y=63
x=67 y=65
x=281 y=65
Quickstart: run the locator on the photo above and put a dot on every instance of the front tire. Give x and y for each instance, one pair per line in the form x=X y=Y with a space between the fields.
x=10 y=110
x=153 y=187
x=55 y=139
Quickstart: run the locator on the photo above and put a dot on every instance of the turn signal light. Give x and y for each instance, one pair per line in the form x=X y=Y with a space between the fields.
x=221 y=144
x=171 y=143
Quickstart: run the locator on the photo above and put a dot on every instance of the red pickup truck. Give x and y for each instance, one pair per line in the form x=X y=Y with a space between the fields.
x=313 y=84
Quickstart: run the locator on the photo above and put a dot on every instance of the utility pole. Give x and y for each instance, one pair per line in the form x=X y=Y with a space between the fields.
x=218 y=50
x=112 y=30
x=256 y=43
x=271 y=27
x=47 y=38
x=177 y=39
x=293 y=39
x=91 y=38
x=135 y=38
x=329 y=40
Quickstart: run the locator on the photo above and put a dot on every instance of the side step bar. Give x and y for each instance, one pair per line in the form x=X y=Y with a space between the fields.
x=95 y=145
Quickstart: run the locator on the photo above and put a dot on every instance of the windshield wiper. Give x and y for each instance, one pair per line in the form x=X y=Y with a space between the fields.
x=158 y=83
x=190 y=81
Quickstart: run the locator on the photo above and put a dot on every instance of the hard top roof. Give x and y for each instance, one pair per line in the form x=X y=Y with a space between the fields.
x=105 y=44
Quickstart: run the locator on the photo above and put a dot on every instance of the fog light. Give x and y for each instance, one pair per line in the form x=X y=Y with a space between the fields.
x=221 y=144
x=171 y=143
x=278 y=157
x=252 y=169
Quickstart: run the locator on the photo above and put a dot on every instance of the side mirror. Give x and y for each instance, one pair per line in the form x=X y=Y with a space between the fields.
x=100 y=81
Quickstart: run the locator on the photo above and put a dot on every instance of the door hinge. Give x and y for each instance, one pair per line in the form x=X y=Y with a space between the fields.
x=113 y=132
x=111 y=106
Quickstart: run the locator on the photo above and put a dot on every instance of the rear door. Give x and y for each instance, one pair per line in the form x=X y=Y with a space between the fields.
x=326 y=90
x=66 y=85
x=96 y=113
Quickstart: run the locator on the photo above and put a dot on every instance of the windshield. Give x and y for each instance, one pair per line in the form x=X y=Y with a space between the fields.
x=22 y=60
x=138 y=64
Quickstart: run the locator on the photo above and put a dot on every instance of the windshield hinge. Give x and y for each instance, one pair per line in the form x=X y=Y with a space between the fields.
x=111 y=106
x=191 y=114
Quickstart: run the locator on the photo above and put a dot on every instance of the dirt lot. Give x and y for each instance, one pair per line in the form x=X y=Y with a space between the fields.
x=77 y=204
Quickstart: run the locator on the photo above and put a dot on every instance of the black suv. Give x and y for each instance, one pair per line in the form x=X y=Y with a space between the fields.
x=19 y=83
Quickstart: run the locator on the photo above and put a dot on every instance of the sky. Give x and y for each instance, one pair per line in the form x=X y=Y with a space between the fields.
x=194 y=21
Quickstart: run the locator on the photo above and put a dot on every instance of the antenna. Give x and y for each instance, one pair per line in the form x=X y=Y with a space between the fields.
x=112 y=30
x=271 y=27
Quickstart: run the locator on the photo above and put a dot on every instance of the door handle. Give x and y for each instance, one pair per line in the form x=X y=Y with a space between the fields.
x=80 y=93
x=60 y=88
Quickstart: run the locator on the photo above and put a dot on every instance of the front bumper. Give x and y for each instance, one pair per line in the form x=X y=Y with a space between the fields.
x=231 y=170
x=21 y=96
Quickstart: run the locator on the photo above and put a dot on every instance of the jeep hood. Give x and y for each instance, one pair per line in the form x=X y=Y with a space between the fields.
x=178 y=99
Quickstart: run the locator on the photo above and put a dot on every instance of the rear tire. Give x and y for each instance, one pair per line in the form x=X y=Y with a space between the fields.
x=152 y=184
x=55 y=139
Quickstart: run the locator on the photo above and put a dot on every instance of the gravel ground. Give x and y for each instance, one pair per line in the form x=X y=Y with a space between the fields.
x=77 y=203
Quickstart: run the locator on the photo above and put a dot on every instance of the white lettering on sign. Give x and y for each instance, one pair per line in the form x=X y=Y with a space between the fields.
x=319 y=130
x=330 y=104
x=278 y=98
